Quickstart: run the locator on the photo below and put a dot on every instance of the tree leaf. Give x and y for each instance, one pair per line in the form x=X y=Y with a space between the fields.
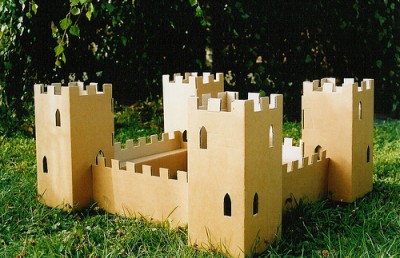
x=89 y=15
x=75 y=11
x=379 y=63
x=57 y=63
x=34 y=7
x=308 y=59
x=65 y=23
x=199 y=11
x=59 y=49
x=193 y=2
x=74 y=2
x=74 y=30
x=83 y=1
x=123 y=40
x=89 y=12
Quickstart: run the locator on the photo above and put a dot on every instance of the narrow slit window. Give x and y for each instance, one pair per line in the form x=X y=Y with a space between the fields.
x=271 y=136
x=203 y=138
x=255 y=204
x=58 y=118
x=184 y=136
x=227 y=205
x=45 y=169
x=368 y=154
x=360 y=110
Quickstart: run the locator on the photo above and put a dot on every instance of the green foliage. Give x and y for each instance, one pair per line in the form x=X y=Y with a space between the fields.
x=275 y=46
x=69 y=27
x=367 y=227
x=261 y=46
x=141 y=119
x=14 y=63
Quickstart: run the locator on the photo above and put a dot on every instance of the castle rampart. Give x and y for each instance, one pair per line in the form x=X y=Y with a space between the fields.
x=229 y=102
x=328 y=85
x=73 y=89
x=143 y=149
x=304 y=178
x=128 y=192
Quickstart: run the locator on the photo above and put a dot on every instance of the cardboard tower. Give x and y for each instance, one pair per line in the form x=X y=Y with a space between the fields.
x=220 y=167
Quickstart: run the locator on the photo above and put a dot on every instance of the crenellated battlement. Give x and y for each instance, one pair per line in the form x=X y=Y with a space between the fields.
x=192 y=79
x=328 y=85
x=177 y=91
x=131 y=169
x=297 y=165
x=73 y=89
x=229 y=102
x=144 y=148
x=293 y=156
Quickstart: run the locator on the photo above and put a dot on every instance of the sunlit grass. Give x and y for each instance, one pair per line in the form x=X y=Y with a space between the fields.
x=369 y=227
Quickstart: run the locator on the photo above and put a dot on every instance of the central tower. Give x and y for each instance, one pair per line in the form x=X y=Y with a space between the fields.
x=235 y=164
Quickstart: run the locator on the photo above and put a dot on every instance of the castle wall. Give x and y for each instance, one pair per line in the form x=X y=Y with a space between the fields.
x=363 y=132
x=144 y=149
x=53 y=146
x=128 y=193
x=173 y=160
x=305 y=178
x=263 y=163
x=92 y=128
x=177 y=92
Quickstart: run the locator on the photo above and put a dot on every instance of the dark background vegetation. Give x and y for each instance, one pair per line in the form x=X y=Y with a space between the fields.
x=132 y=43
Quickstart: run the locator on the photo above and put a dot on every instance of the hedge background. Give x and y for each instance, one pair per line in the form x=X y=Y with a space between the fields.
x=260 y=45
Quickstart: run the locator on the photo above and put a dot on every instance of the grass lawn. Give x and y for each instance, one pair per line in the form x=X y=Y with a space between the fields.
x=369 y=227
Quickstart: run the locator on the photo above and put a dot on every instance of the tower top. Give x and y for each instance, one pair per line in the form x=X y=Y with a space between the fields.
x=192 y=79
x=73 y=89
x=328 y=85
x=229 y=102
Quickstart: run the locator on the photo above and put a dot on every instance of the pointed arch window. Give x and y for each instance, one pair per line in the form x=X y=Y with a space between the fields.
x=255 y=204
x=45 y=169
x=360 y=110
x=101 y=155
x=368 y=154
x=184 y=136
x=58 y=118
x=203 y=138
x=271 y=136
x=227 y=205
x=318 y=150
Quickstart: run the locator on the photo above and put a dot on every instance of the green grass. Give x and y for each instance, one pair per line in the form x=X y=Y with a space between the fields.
x=369 y=227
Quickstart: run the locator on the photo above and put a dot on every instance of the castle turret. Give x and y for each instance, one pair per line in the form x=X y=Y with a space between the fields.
x=177 y=92
x=73 y=127
x=235 y=180
x=340 y=120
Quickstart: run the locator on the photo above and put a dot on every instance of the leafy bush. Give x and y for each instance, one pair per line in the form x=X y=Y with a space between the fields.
x=264 y=46
x=144 y=118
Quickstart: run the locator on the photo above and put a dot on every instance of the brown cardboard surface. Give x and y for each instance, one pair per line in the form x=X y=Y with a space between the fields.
x=239 y=179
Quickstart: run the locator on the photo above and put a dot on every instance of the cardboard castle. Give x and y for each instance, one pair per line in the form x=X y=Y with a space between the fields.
x=220 y=167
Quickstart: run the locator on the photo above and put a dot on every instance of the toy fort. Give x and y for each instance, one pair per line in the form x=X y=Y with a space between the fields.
x=220 y=167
